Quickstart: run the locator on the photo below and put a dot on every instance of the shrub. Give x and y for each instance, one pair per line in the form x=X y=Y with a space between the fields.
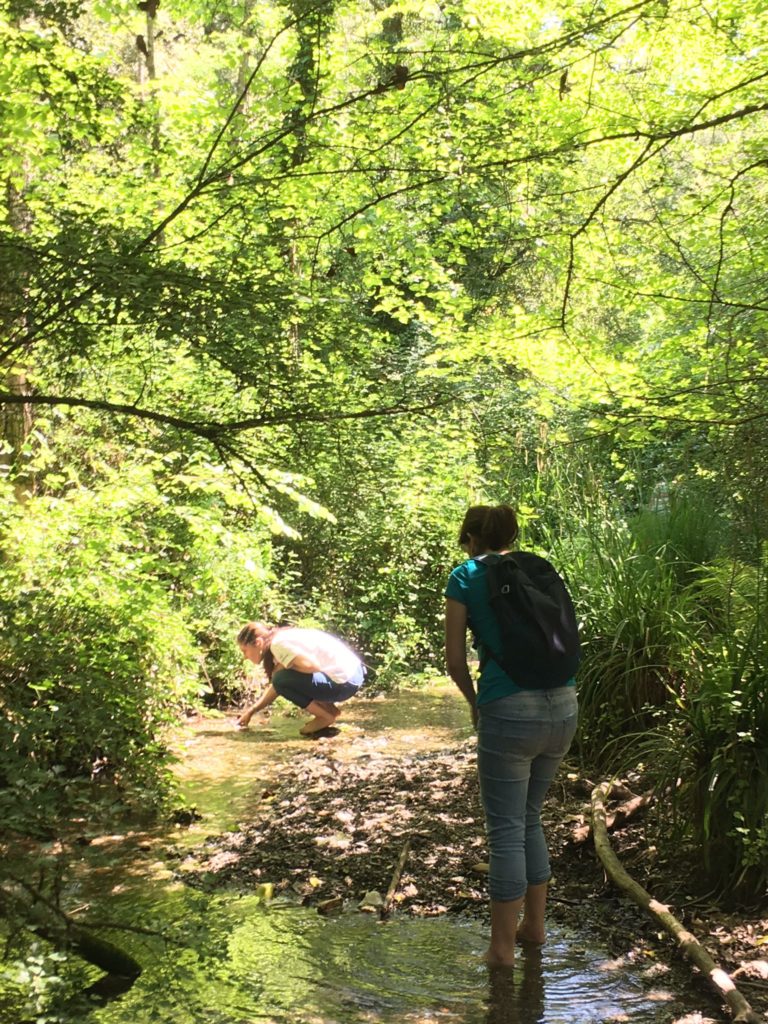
x=94 y=658
x=107 y=593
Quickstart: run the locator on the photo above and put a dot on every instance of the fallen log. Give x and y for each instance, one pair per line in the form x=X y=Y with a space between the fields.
x=626 y=811
x=619 y=791
x=687 y=942
x=43 y=918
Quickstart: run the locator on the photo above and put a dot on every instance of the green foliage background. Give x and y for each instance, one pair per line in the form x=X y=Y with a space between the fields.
x=284 y=287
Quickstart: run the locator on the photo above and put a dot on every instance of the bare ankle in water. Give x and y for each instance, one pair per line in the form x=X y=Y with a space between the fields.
x=500 y=958
x=531 y=936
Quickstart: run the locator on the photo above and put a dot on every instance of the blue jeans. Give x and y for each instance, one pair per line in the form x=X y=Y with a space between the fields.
x=521 y=741
x=301 y=688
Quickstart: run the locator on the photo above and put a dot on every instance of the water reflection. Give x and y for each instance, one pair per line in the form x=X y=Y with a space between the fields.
x=517 y=997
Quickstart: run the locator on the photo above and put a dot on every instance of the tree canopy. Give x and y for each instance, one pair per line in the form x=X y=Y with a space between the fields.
x=273 y=207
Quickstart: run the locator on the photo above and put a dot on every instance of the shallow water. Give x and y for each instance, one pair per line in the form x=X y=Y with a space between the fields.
x=228 y=958
x=289 y=964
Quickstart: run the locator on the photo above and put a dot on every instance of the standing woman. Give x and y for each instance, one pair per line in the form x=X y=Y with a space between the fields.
x=312 y=669
x=523 y=735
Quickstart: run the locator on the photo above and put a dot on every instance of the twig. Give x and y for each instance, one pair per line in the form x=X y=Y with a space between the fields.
x=395 y=878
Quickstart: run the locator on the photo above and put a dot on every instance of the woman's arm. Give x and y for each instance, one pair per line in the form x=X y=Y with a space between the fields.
x=269 y=695
x=456 y=652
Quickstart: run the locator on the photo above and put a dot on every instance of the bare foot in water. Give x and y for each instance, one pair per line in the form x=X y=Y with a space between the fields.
x=322 y=734
x=315 y=726
x=324 y=714
x=530 y=937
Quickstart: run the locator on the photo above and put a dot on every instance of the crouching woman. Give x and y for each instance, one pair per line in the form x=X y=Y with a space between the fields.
x=312 y=669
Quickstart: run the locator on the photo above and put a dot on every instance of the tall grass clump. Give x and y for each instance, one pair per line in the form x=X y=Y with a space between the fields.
x=681 y=528
x=638 y=625
x=711 y=757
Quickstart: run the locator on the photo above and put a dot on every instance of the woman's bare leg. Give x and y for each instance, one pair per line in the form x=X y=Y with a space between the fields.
x=324 y=714
x=532 y=926
x=504 y=915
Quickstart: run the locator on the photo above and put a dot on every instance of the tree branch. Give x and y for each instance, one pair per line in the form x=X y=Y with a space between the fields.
x=688 y=944
x=212 y=431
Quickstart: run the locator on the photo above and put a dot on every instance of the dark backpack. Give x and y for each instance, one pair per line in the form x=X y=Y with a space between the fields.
x=537 y=621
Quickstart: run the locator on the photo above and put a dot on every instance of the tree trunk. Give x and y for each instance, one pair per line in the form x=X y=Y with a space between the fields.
x=146 y=47
x=16 y=421
x=312 y=24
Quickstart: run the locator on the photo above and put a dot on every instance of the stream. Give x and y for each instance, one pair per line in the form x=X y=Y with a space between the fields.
x=232 y=958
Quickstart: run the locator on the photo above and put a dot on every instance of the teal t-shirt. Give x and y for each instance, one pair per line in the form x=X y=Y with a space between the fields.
x=468 y=586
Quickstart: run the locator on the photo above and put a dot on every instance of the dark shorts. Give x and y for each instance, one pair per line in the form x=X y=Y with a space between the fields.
x=301 y=688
